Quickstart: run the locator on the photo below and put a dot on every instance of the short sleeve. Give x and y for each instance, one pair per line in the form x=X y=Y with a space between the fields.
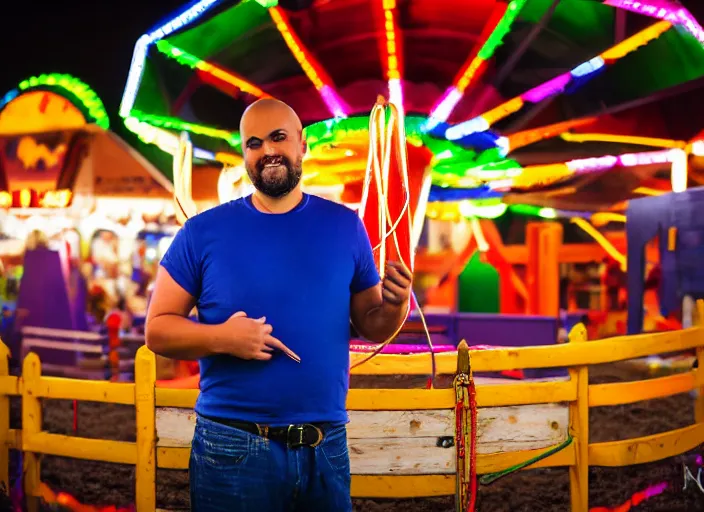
x=182 y=263
x=366 y=274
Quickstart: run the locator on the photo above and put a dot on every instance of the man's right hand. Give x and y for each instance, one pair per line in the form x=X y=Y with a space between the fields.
x=250 y=338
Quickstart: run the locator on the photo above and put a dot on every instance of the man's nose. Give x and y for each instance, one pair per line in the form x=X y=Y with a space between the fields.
x=269 y=148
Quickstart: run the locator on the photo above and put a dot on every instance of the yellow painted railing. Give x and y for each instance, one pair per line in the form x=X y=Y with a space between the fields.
x=577 y=355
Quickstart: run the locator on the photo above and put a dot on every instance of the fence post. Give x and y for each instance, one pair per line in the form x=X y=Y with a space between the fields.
x=464 y=431
x=699 y=401
x=31 y=425
x=4 y=421
x=579 y=429
x=145 y=404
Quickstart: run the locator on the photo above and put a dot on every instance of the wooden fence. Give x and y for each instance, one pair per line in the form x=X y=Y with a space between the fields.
x=401 y=440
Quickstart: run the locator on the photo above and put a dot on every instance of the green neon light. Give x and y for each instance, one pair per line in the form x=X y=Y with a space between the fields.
x=530 y=210
x=172 y=123
x=89 y=100
x=502 y=28
x=452 y=165
x=183 y=58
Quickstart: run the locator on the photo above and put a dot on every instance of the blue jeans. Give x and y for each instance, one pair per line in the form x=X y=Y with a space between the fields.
x=235 y=471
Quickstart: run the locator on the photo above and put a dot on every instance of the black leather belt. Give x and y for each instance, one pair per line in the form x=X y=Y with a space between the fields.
x=293 y=436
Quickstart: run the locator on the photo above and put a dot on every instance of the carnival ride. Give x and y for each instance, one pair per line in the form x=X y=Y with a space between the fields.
x=492 y=137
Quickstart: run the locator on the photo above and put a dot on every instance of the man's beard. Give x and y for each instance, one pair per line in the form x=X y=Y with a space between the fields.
x=274 y=183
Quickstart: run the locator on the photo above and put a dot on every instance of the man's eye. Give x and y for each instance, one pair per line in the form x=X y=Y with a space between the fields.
x=279 y=137
x=254 y=145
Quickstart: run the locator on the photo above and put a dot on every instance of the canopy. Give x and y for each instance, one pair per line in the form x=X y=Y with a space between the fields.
x=538 y=102
x=55 y=144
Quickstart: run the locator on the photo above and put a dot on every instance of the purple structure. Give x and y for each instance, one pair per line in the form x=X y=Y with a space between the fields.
x=495 y=330
x=52 y=321
x=682 y=267
x=43 y=297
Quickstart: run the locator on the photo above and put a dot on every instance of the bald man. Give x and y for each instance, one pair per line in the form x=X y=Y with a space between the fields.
x=276 y=276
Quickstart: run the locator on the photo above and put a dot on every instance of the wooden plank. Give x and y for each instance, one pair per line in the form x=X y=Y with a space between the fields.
x=62 y=333
x=177 y=458
x=410 y=442
x=494 y=462
x=357 y=399
x=168 y=397
x=174 y=427
x=646 y=449
x=172 y=458
x=526 y=393
x=69 y=346
x=400 y=399
x=609 y=350
x=402 y=486
x=120 y=452
x=518 y=428
x=4 y=420
x=401 y=456
x=510 y=428
x=10 y=385
x=628 y=392
x=86 y=390
x=145 y=448
x=31 y=428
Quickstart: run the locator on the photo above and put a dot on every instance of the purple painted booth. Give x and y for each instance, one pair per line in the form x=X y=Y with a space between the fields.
x=490 y=329
x=677 y=220
x=52 y=321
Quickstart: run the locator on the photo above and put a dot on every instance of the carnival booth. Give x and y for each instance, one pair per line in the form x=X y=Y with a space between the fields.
x=76 y=199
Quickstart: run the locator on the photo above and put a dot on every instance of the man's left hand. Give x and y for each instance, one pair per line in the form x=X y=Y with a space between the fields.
x=397 y=283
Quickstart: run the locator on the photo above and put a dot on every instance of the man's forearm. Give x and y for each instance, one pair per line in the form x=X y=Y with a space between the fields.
x=176 y=337
x=381 y=322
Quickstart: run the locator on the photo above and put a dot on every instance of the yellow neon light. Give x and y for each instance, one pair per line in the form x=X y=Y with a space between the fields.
x=647 y=191
x=232 y=79
x=503 y=110
x=526 y=137
x=614 y=53
x=467 y=76
x=635 y=41
x=296 y=46
x=603 y=218
x=601 y=240
x=541 y=175
x=624 y=139
x=392 y=66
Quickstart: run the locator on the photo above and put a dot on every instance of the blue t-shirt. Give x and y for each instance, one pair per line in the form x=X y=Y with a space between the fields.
x=299 y=269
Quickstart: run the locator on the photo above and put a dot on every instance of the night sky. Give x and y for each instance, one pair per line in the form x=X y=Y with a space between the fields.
x=91 y=40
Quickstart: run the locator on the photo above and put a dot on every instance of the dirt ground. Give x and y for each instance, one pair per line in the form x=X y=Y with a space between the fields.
x=544 y=490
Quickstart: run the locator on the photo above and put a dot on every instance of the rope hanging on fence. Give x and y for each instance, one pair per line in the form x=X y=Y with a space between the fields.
x=492 y=477
x=465 y=433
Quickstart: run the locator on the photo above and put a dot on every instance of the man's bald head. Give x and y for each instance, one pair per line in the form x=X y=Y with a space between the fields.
x=271 y=108
x=272 y=146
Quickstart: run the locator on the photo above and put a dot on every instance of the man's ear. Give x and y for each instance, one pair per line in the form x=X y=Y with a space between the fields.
x=304 y=146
